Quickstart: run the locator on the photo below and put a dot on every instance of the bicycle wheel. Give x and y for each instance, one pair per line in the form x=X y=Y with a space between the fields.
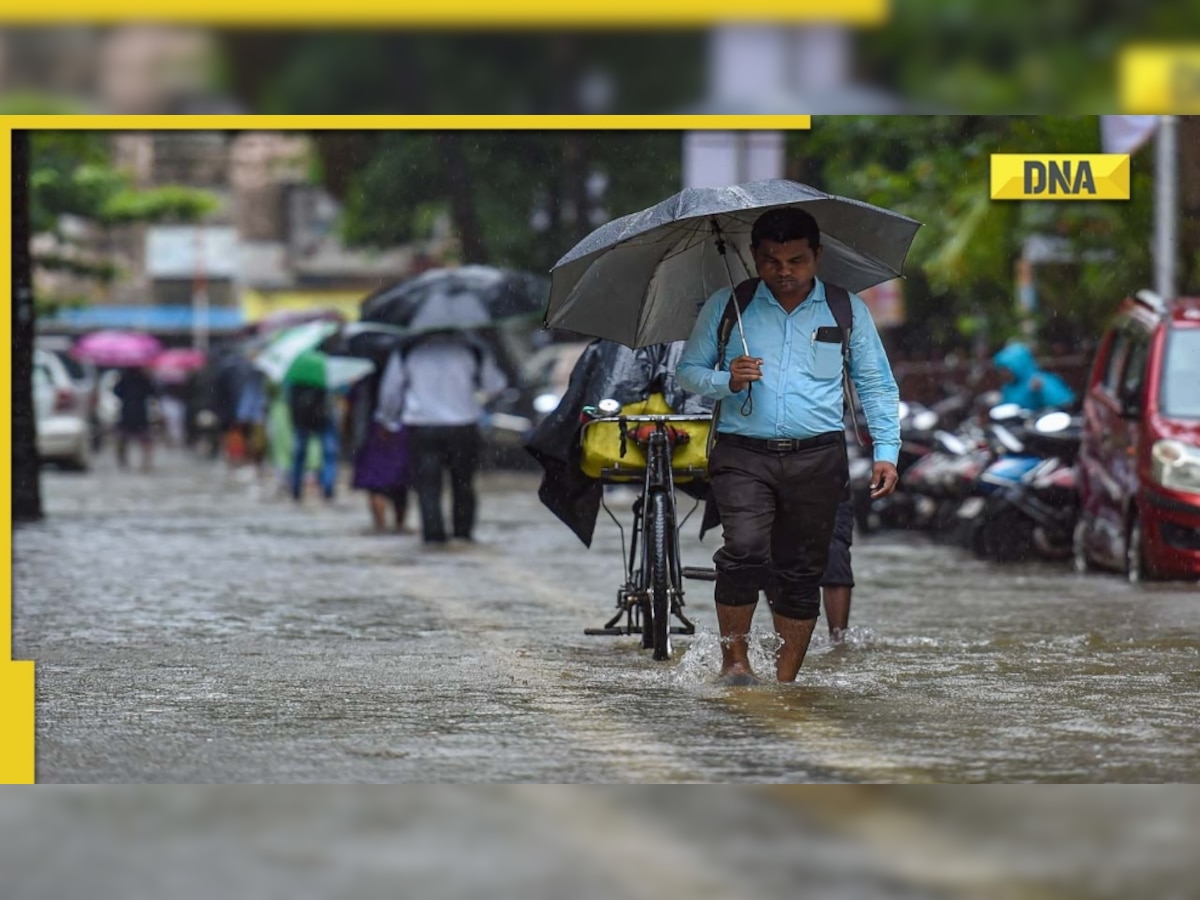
x=658 y=544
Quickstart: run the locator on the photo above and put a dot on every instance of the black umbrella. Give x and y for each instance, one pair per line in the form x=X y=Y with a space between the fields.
x=457 y=298
x=642 y=279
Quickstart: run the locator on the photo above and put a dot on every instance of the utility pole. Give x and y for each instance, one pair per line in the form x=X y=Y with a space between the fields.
x=1166 y=208
x=200 y=294
x=26 y=478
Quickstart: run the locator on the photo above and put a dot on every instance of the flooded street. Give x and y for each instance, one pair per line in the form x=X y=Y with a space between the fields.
x=190 y=627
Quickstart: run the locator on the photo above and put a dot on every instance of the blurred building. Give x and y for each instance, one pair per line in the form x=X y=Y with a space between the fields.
x=769 y=70
x=271 y=246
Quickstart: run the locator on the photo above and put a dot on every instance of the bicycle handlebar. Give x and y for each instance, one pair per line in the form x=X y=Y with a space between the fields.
x=649 y=418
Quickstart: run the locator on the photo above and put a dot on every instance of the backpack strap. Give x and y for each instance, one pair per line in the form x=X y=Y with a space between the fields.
x=741 y=295
x=838 y=299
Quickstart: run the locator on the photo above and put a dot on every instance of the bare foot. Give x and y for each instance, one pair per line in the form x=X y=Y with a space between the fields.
x=738 y=676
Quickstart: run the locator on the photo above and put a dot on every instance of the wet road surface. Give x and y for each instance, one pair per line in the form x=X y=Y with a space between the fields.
x=191 y=628
x=551 y=841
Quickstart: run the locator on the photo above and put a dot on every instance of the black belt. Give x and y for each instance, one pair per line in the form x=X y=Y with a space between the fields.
x=781 y=445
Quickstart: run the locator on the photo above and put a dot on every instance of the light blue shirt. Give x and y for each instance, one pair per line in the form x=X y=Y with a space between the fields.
x=800 y=392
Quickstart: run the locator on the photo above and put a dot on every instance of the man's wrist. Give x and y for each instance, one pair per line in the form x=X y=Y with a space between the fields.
x=887 y=453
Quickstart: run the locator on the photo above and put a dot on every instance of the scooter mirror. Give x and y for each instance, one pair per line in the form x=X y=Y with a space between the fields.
x=924 y=421
x=1008 y=439
x=608 y=406
x=952 y=442
x=1052 y=423
x=1004 y=411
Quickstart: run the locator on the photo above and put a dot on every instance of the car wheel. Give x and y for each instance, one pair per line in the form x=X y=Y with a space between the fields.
x=1135 y=557
x=80 y=460
x=1083 y=563
x=83 y=459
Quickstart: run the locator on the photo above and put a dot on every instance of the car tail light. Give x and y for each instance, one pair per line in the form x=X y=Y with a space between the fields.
x=64 y=400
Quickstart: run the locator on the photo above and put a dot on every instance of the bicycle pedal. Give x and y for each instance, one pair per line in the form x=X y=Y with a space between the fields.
x=679 y=629
x=699 y=573
x=613 y=632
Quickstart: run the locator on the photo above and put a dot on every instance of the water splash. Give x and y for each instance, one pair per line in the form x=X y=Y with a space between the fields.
x=701 y=663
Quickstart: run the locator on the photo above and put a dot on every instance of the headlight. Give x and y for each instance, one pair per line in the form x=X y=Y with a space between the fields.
x=545 y=403
x=1176 y=465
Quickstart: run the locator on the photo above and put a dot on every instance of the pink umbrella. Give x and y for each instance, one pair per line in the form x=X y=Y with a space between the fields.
x=174 y=365
x=117 y=348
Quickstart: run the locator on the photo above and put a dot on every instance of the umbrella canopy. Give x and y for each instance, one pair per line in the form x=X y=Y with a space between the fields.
x=375 y=341
x=173 y=366
x=458 y=298
x=322 y=370
x=276 y=358
x=641 y=279
x=117 y=348
x=288 y=318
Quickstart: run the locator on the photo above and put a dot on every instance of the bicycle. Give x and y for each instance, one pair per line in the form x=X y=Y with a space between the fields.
x=652 y=450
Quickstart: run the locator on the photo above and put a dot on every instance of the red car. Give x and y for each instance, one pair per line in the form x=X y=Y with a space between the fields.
x=1139 y=466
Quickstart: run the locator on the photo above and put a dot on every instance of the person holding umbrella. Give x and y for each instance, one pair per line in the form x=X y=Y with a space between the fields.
x=778 y=466
x=310 y=380
x=132 y=352
x=644 y=278
x=433 y=390
x=135 y=389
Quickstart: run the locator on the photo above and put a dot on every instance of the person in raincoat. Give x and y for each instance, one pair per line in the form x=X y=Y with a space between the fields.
x=1028 y=386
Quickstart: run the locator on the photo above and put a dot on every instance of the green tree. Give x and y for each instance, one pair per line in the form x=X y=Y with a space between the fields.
x=961 y=266
x=72 y=175
x=518 y=199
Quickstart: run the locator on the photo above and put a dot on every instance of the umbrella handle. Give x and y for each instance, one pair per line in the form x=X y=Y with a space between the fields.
x=748 y=403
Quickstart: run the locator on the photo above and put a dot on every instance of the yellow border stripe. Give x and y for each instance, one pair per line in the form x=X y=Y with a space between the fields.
x=16 y=678
x=462 y=13
x=410 y=123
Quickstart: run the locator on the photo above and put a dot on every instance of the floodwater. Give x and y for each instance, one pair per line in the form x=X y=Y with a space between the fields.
x=191 y=627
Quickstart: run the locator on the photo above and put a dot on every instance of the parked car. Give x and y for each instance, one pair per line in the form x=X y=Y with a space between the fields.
x=83 y=375
x=1139 y=464
x=61 y=414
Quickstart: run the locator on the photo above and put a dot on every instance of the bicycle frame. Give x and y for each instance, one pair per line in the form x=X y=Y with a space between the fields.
x=634 y=597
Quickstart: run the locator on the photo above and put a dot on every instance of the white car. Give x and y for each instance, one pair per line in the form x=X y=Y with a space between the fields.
x=60 y=409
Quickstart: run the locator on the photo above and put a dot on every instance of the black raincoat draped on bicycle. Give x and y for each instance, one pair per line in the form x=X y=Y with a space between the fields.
x=606 y=370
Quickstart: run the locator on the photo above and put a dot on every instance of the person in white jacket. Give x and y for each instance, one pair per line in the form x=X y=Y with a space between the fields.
x=439 y=383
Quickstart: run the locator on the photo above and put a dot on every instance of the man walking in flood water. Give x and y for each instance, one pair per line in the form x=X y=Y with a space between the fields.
x=779 y=463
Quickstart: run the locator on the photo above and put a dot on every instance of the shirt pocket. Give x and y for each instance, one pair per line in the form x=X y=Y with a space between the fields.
x=826 y=360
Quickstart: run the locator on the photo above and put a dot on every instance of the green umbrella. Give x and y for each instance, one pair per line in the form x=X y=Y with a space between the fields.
x=292 y=357
x=277 y=357
x=317 y=369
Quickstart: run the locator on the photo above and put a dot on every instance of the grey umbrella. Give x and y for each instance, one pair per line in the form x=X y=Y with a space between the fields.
x=642 y=279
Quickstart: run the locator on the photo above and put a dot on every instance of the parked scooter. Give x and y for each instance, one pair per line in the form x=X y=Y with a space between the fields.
x=1029 y=496
x=899 y=509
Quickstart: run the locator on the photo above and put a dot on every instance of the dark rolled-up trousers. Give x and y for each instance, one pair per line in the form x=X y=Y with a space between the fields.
x=777 y=510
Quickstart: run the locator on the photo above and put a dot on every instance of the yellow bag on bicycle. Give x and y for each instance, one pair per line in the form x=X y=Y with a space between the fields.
x=602 y=445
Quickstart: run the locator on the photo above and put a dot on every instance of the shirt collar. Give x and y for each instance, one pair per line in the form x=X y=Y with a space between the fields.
x=816 y=295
